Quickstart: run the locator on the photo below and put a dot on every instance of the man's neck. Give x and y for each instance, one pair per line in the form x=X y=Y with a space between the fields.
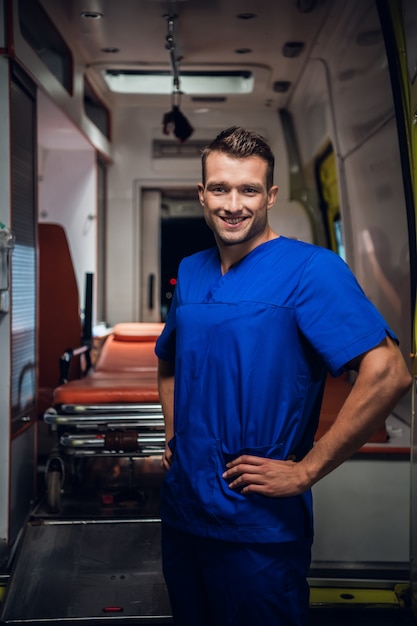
x=231 y=255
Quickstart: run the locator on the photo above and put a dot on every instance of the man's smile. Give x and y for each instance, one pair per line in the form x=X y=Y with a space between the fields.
x=233 y=220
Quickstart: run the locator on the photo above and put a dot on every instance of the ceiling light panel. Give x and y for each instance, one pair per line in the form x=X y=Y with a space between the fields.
x=192 y=83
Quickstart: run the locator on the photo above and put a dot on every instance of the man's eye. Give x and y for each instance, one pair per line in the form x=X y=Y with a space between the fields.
x=250 y=190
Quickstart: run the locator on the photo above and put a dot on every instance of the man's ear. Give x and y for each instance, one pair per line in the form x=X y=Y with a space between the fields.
x=200 y=188
x=272 y=196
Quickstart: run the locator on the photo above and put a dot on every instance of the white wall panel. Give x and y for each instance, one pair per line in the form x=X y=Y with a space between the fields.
x=68 y=196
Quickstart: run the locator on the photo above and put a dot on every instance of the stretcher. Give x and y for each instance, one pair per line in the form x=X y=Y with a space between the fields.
x=114 y=411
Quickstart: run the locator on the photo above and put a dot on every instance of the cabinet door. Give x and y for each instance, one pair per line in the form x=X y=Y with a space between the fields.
x=23 y=297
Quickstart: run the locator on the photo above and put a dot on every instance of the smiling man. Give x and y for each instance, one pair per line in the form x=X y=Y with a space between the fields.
x=236 y=195
x=255 y=325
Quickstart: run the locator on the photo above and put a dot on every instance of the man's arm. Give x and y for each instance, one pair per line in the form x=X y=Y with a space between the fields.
x=166 y=396
x=383 y=378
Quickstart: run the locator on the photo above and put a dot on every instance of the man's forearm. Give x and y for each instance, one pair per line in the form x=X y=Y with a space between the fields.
x=166 y=381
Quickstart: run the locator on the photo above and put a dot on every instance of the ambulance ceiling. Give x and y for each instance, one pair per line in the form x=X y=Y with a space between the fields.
x=264 y=42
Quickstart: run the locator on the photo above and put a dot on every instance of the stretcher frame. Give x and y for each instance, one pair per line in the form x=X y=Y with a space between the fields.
x=125 y=368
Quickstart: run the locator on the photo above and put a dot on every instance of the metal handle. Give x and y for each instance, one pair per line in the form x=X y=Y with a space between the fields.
x=151 y=283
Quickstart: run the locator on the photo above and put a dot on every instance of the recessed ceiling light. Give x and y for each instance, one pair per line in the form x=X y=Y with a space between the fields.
x=246 y=16
x=92 y=15
x=292 y=49
x=281 y=86
x=305 y=6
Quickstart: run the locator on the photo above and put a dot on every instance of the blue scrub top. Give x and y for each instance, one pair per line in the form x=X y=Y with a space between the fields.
x=251 y=351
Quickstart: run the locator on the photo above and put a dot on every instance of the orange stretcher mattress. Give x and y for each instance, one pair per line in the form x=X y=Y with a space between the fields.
x=126 y=370
x=116 y=388
x=335 y=393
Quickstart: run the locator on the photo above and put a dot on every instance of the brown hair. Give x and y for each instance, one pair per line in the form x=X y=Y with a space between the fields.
x=240 y=143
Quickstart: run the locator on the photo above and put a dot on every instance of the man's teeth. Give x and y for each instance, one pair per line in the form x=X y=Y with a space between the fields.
x=233 y=220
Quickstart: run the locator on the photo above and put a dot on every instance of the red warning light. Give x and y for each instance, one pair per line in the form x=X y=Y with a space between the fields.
x=172 y=281
x=113 y=609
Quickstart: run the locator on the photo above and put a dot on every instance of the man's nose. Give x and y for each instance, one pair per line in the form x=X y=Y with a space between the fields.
x=234 y=202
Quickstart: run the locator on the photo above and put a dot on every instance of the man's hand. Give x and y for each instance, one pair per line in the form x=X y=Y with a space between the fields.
x=269 y=477
x=166 y=460
x=166 y=382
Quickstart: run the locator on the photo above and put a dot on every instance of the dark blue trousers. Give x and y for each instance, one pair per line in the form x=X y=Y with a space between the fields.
x=219 y=583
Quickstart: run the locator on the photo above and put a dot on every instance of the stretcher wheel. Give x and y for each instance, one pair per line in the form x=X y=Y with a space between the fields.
x=53 y=483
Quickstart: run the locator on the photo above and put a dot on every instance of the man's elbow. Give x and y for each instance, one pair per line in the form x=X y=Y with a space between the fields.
x=388 y=370
x=405 y=380
x=401 y=379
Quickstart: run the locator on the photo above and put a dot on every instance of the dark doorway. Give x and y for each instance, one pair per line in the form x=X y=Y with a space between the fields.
x=180 y=237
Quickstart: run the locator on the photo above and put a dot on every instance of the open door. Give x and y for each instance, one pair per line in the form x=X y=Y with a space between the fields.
x=400 y=32
x=172 y=226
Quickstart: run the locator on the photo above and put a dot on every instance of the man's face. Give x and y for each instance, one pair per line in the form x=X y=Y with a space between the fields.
x=236 y=199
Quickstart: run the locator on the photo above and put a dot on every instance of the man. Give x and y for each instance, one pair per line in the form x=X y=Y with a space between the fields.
x=255 y=324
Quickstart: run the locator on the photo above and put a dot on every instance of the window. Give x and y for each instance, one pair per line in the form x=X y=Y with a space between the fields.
x=42 y=36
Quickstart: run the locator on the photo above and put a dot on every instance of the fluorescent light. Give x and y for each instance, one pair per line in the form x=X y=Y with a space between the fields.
x=191 y=82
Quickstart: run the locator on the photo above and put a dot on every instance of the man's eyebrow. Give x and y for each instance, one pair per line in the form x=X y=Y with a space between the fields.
x=222 y=183
x=216 y=183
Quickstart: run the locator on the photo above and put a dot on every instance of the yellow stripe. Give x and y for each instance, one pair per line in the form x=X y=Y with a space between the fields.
x=340 y=596
x=2 y=592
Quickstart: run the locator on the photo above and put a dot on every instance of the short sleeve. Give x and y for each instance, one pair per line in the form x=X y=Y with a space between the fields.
x=334 y=314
